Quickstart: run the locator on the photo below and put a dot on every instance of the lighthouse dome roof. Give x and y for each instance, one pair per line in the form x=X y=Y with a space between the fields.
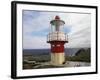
x=57 y=17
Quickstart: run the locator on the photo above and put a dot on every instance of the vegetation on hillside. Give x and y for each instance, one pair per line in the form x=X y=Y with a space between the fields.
x=82 y=55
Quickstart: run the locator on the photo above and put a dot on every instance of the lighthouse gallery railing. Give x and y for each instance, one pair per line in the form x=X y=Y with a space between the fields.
x=57 y=36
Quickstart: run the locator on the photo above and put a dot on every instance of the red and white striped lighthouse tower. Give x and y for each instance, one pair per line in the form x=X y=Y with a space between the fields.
x=57 y=38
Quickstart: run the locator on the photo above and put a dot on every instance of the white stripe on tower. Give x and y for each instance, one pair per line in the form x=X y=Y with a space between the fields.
x=57 y=59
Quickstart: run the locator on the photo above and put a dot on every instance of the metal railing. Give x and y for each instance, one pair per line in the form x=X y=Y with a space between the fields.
x=57 y=37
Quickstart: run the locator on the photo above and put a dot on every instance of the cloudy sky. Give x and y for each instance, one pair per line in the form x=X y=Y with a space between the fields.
x=36 y=26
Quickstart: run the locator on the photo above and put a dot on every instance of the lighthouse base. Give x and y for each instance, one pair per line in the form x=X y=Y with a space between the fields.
x=57 y=59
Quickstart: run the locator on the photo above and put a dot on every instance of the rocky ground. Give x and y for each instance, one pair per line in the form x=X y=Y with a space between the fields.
x=48 y=65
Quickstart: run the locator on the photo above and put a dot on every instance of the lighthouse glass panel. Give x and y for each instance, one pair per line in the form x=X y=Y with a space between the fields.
x=56 y=39
x=53 y=28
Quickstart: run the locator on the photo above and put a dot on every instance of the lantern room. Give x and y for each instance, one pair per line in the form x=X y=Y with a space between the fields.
x=57 y=24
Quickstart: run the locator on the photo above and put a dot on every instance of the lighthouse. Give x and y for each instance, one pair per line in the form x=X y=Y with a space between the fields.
x=57 y=38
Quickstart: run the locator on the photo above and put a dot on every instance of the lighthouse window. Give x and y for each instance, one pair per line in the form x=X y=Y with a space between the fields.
x=58 y=45
x=53 y=45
